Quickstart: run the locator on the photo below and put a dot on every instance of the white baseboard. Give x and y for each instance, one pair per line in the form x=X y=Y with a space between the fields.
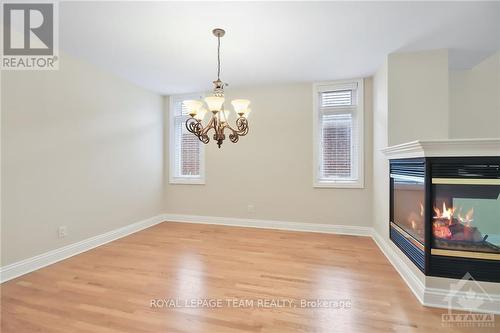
x=22 y=267
x=433 y=297
x=436 y=298
x=271 y=224
x=413 y=282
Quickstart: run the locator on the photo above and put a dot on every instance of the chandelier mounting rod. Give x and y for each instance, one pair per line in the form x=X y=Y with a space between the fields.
x=218 y=33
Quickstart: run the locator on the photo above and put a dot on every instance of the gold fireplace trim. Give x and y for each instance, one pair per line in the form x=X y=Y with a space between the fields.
x=408 y=236
x=465 y=254
x=464 y=181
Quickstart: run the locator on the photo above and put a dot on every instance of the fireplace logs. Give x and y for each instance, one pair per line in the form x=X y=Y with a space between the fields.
x=453 y=229
x=450 y=233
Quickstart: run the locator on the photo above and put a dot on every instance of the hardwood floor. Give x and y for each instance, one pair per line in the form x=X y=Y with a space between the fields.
x=111 y=288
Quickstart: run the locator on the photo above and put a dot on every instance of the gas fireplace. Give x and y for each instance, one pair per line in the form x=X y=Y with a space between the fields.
x=445 y=214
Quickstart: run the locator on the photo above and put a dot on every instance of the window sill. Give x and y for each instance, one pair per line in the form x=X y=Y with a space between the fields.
x=186 y=181
x=338 y=184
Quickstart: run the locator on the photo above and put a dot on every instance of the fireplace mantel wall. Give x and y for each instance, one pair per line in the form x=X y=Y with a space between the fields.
x=418 y=96
x=405 y=134
x=442 y=148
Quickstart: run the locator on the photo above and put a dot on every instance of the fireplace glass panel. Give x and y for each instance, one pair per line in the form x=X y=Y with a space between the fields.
x=409 y=196
x=466 y=217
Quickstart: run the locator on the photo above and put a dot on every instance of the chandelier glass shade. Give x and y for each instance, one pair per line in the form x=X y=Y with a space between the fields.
x=214 y=105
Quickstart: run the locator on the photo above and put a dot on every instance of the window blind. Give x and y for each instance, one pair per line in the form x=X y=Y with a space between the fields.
x=186 y=146
x=337 y=148
x=338 y=151
x=336 y=98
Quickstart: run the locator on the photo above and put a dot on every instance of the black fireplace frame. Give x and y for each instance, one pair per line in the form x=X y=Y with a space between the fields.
x=420 y=254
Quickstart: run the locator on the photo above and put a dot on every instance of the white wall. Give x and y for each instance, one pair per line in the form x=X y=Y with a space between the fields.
x=475 y=100
x=80 y=148
x=271 y=167
x=418 y=96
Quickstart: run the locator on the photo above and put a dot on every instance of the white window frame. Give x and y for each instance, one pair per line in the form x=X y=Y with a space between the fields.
x=173 y=179
x=358 y=115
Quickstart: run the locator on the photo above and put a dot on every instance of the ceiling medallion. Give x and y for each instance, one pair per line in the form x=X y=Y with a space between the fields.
x=215 y=104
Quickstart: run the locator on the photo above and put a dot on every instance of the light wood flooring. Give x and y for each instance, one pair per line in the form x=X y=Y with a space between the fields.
x=110 y=288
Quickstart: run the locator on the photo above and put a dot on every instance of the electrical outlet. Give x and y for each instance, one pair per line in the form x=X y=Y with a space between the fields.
x=251 y=208
x=62 y=231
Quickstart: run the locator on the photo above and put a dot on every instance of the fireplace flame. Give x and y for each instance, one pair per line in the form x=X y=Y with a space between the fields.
x=467 y=219
x=450 y=224
x=446 y=214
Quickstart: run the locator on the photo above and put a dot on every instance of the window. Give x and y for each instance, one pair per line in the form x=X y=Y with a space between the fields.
x=186 y=151
x=338 y=134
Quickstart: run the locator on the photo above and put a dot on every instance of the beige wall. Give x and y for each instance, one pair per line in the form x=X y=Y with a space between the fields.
x=380 y=189
x=400 y=116
x=418 y=96
x=271 y=167
x=475 y=100
x=427 y=100
x=380 y=162
x=80 y=148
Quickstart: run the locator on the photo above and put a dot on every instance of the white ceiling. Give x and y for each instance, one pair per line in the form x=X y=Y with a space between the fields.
x=168 y=46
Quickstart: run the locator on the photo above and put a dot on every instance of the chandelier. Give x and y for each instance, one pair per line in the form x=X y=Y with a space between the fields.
x=220 y=116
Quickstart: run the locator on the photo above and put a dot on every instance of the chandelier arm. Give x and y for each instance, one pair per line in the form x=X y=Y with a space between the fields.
x=209 y=126
x=235 y=131
x=241 y=125
x=204 y=138
x=196 y=127
x=193 y=126
x=234 y=136
x=242 y=129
